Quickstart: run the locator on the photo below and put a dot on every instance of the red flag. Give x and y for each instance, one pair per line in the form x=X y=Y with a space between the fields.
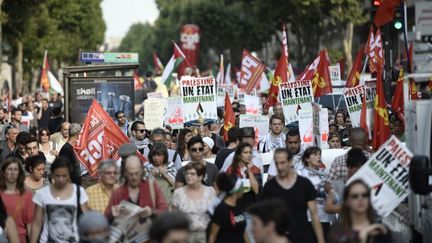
x=190 y=43
x=280 y=76
x=321 y=82
x=251 y=71
x=429 y=86
x=413 y=89
x=397 y=103
x=381 y=118
x=45 y=83
x=99 y=139
x=137 y=83
x=157 y=64
x=229 y=120
x=354 y=75
x=363 y=116
x=369 y=50
x=385 y=12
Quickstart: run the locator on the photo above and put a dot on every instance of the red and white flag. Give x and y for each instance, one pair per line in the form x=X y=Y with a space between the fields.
x=250 y=73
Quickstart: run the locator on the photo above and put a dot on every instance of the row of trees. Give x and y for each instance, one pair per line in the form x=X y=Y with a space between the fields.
x=228 y=26
x=29 y=27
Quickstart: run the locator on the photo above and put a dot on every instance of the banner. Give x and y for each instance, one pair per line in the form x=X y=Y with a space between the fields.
x=116 y=94
x=306 y=127
x=189 y=44
x=174 y=114
x=199 y=98
x=251 y=71
x=221 y=89
x=387 y=173
x=295 y=96
x=154 y=112
x=99 y=139
x=260 y=123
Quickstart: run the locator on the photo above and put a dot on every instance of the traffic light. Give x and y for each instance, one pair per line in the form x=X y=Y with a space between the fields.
x=398 y=19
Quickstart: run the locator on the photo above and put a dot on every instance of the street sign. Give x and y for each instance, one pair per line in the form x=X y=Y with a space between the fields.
x=92 y=57
x=121 y=57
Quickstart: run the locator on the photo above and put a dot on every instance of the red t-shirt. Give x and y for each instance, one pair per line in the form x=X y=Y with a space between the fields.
x=20 y=207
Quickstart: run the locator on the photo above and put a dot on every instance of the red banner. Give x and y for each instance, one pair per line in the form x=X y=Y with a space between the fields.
x=250 y=73
x=189 y=44
x=99 y=139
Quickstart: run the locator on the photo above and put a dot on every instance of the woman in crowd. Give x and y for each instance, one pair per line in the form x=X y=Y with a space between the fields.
x=46 y=146
x=35 y=166
x=243 y=168
x=228 y=222
x=314 y=171
x=208 y=147
x=8 y=228
x=194 y=199
x=162 y=169
x=340 y=120
x=17 y=200
x=357 y=221
x=58 y=207
x=183 y=138
x=334 y=141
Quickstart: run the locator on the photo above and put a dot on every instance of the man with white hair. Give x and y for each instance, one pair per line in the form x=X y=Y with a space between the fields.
x=99 y=194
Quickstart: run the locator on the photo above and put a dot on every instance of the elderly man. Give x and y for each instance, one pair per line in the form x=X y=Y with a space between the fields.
x=144 y=193
x=99 y=194
x=67 y=151
x=9 y=145
x=60 y=138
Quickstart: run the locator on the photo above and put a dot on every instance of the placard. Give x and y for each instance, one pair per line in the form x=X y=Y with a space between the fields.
x=174 y=115
x=199 y=98
x=252 y=104
x=387 y=173
x=335 y=73
x=306 y=127
x=221 y=89
x=295 y=96
x=154 y=111
x=259 y=122
x=320 y=126
x=354 y=99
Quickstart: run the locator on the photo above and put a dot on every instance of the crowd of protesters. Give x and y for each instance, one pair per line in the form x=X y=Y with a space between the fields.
x=198 y=187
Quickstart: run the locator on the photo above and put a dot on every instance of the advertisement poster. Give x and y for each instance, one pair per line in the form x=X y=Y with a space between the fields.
x=114 y=94
x=386 y=173
x=174 y=115
x=199 y=99
x=154 y=112
x=295 y=96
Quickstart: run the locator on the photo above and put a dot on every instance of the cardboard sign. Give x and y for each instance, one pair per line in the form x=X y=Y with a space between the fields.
x=353 y=99
x=199 y=98
x=154 y=111
x=221 y=89
x=260 y=123
x=306 y=127
x=174 y=115
x=295 y=96
x=386 y=172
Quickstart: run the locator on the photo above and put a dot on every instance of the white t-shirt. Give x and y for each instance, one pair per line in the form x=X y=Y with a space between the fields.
x=60 y=216
x=256 y=160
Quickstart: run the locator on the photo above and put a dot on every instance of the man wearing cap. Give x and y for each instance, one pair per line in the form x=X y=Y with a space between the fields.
x=275 y=139
x=125 y=150
x=93 y=227
x=207 y=131
x=247 y=135
x=99 y=194
x=158 y=135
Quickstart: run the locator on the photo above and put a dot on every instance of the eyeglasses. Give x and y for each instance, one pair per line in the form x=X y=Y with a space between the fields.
x=359 y=195
x=141 y=130
x=200 y=149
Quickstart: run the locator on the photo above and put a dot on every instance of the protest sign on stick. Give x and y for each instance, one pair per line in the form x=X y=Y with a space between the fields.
x=387 y=174
x=295 y=96
x=154 y=111
x=306 y=127
x=174 y=115
x=199 y=98
x=258 y=122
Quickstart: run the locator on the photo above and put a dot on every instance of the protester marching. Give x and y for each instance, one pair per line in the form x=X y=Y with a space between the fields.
x=259 y=152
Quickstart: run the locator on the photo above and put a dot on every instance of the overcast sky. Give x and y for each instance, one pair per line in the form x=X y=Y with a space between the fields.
x=119 y=15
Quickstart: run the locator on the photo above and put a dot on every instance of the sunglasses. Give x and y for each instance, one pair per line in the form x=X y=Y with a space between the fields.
x=359 y=195
x=141 y=131
x=200 y=149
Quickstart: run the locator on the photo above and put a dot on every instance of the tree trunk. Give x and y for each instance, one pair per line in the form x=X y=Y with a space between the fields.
x=19 y=68
x=34 y=79
x=347 y=44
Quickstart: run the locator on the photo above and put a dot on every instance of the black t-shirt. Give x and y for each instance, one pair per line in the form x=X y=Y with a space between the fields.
x=46 y=115
x=232 y=223
x=296 y=199
x=67 y=151
x=209 y=177
x=221 y=156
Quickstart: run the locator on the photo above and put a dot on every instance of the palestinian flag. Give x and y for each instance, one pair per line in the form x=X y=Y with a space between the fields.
x=176 y=59
x=48 y=81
